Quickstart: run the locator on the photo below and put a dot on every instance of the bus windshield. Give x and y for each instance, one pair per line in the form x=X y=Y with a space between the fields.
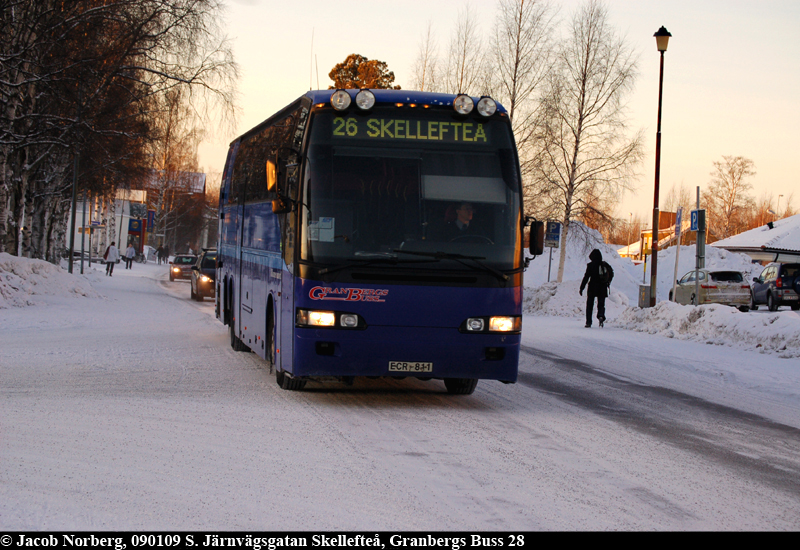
x=397 y=185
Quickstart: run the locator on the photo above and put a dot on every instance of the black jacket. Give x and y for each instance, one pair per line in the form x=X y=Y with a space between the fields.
x=597 y=286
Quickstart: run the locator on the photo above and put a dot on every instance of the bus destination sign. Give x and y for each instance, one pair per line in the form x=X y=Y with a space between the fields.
x=380 y=128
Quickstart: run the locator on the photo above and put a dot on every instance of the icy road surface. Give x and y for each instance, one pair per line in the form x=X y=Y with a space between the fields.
x=132 y=412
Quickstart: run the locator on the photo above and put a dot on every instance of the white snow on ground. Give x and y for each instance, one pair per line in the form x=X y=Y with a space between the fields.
x=128 y=410
x=24 y=282
x=763 y=331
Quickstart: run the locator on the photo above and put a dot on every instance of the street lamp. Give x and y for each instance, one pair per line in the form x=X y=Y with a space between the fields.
x=662 y=39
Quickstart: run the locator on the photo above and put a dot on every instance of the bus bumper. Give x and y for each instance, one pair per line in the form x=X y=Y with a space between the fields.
x=385 y=351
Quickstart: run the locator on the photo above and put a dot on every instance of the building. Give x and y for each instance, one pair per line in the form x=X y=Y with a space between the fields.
x=777 y=241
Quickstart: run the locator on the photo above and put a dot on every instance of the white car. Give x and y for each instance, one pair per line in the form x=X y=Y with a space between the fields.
x=716 y=287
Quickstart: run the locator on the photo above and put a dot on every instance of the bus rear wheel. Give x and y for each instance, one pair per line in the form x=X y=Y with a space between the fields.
x=287 y=382
x=460 y=386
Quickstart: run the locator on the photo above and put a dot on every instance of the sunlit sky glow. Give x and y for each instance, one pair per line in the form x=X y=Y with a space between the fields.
x=731 y=78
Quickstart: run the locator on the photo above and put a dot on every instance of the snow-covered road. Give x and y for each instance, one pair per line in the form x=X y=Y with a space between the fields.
x=132 y=412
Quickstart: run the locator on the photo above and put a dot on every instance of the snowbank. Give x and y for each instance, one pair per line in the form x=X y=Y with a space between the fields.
x=777 y=333
x=22 y=279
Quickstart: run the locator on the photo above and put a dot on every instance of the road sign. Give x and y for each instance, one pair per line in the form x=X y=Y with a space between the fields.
x=552 y=234
x=698 y=220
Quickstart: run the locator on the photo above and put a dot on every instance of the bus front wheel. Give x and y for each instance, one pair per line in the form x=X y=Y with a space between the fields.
x=460 y=386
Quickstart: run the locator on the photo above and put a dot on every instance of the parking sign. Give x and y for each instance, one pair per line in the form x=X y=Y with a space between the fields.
x=552 y=234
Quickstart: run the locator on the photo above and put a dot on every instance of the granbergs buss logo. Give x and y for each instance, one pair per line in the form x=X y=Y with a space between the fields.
x=348 y=294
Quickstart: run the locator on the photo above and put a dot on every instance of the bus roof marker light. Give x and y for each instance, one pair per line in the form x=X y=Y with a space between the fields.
x=463 y=104
x=340 y=100
x=487 y=106
x=365 y=100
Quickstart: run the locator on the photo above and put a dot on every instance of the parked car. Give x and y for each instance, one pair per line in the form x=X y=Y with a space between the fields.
x=181 y=266
x=778 y=285
x=204 y=275
x=716 y=287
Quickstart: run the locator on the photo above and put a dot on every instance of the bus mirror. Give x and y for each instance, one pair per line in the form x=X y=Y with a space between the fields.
x=281 y=206
x=272 y=176
x=537 y=238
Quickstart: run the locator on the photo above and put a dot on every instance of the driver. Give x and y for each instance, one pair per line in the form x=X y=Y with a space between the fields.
x=461 y=225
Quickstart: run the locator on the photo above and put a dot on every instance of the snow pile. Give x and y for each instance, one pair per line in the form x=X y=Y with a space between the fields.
x=777 y=332
x=563 y=300
x=21 y=279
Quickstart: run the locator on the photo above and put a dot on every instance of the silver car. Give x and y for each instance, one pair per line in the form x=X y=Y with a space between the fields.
x=716 y=287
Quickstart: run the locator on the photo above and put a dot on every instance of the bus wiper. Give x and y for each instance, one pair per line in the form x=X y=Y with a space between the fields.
x=459 y=258
x=376 y=258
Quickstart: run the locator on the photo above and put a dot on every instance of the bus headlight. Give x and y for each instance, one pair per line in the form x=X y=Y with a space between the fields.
x=348 y=320
x=340 y=100
x=504 y=324
x=330 y=319
x=487 y=106
x=314 y=318
x=463 y=104
x=486 y=325
x=365 y=100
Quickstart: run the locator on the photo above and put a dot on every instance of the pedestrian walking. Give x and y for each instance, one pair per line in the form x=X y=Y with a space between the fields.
x=130 y=253
x=160 y=253
x=111 y=256
x=598 y=276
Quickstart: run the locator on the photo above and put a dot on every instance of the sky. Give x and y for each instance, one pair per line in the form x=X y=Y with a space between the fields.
x=731 y=76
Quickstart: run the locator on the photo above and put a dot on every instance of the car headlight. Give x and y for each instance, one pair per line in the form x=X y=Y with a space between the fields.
x=176 y=269
x=205 y=279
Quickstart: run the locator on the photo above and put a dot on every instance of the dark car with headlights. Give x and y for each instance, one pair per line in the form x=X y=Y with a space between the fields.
x=778 y=285
x=181 y=266
x=204 y=275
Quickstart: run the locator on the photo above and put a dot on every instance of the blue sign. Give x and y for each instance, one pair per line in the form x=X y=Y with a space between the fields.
x=698 y=220
x=552 y=234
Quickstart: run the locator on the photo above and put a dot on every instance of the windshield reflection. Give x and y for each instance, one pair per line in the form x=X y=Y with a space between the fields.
x=363 y=205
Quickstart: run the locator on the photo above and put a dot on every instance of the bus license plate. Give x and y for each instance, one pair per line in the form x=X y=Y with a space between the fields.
x=409 y=366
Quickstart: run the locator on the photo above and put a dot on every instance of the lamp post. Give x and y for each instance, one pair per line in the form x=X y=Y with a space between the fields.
x=662 y=39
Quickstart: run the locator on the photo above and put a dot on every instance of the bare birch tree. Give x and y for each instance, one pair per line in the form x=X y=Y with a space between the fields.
x=728 y=198
x=426 y=66
x=584 y=155
x=465 y=69
x=521 y=59
x=77 y=78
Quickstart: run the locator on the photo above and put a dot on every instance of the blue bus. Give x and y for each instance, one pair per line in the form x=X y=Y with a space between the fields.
x=376 y=233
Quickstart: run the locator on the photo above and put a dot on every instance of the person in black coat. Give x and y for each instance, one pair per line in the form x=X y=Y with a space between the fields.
x=598 y=276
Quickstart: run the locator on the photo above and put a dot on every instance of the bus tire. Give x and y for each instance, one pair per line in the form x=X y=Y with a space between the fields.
x=286 y=382
x=236 y=343
x=460 y=386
